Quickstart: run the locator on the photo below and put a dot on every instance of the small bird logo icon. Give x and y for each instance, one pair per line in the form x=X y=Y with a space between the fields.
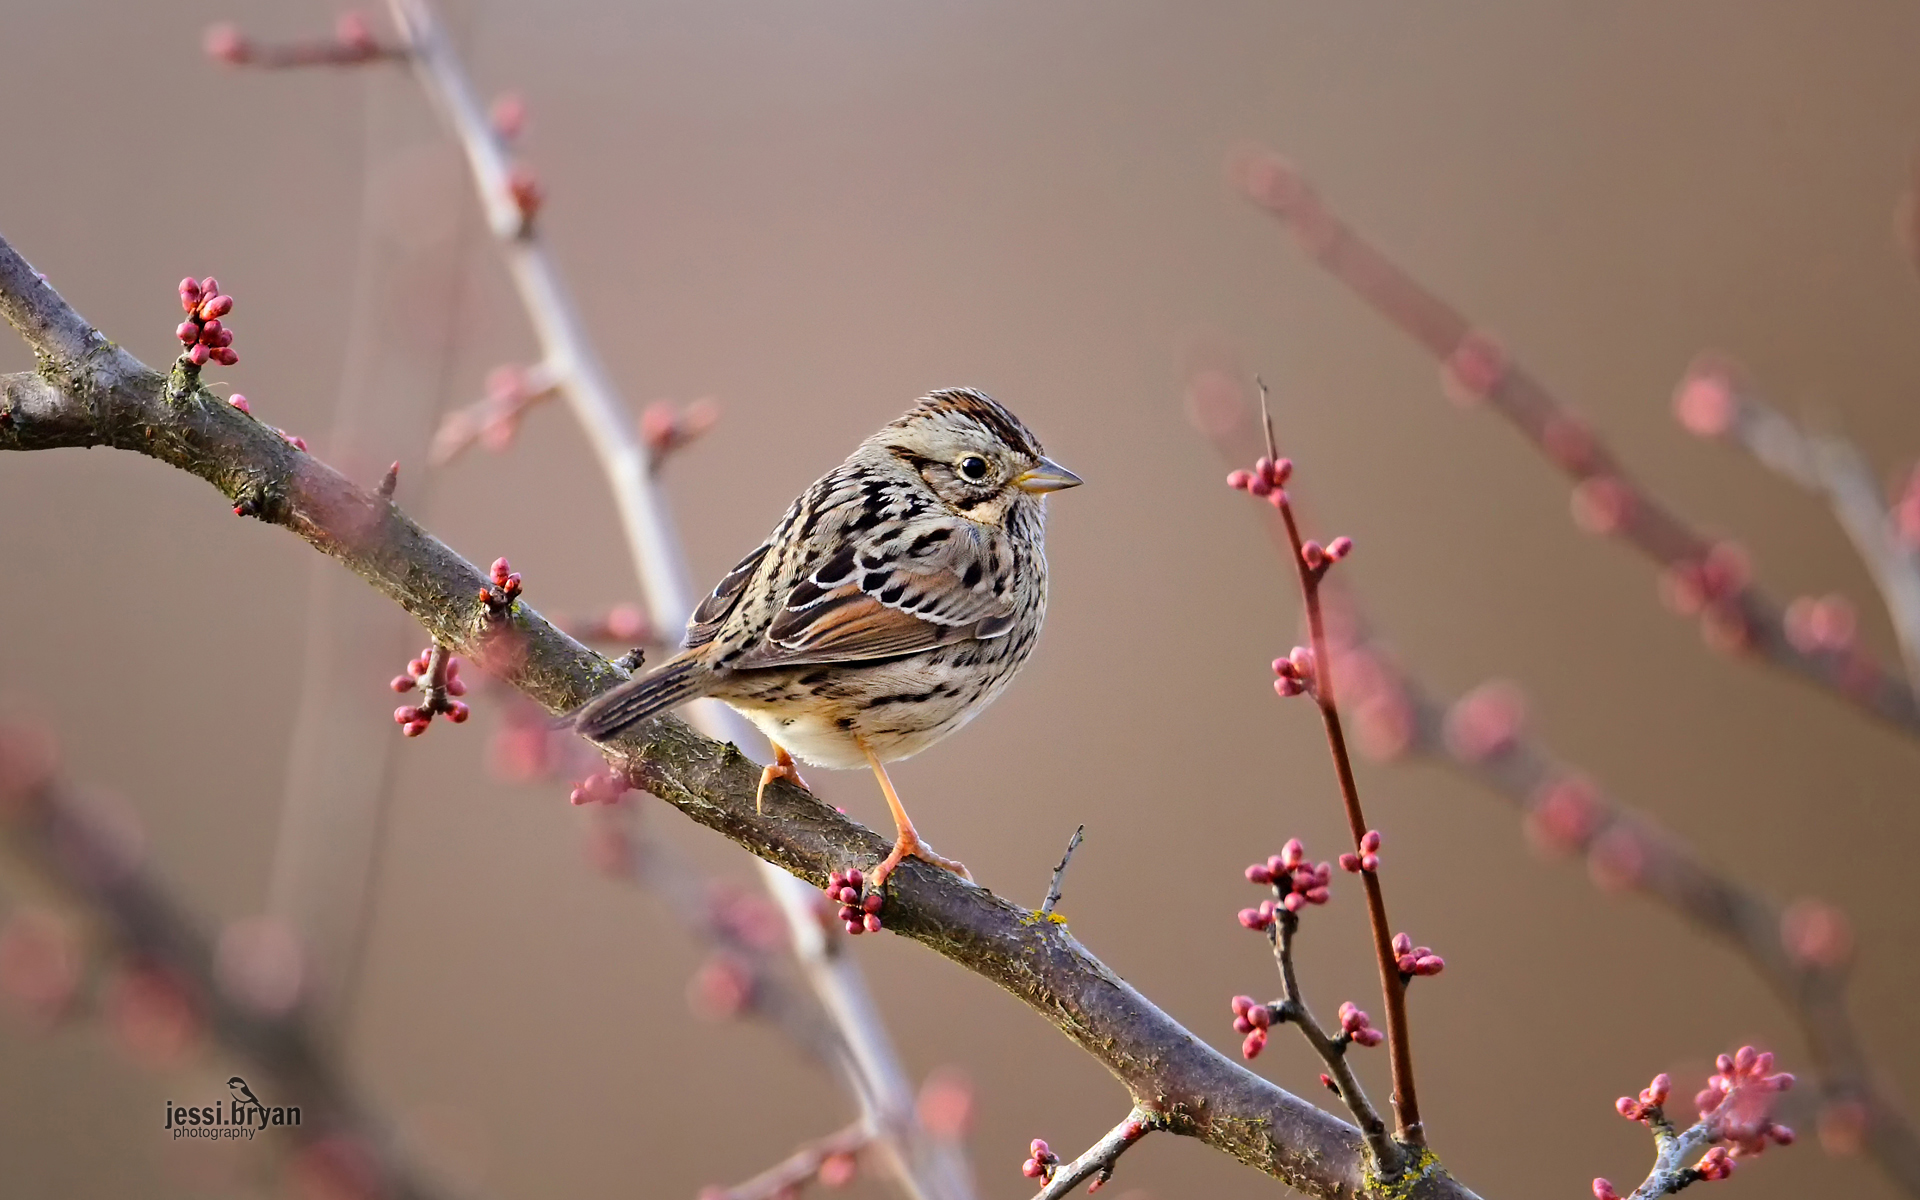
x=241 y=1091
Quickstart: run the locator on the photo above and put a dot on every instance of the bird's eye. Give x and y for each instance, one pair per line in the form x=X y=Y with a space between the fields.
x=974 y=467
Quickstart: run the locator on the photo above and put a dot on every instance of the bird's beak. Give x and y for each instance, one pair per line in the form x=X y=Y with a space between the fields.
x=1049 y=476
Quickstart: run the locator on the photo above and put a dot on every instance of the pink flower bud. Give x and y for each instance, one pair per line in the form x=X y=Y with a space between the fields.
x=1255 y=1042
x=1313 y=555
x=508 y=114
x=1602 y=1190
x=872 y=922
x=401 y=683
x=1402 y=944
x=1293 y=853
x=1339 y=548
x=210 y=332
x=189 y=293
x=224 y=43
x=198 y=355
x=1370 y=840
x=221 y=355
x=1258 y=873
x=1705 y=402
x=1239 y=481
x=352 y=32
x=209 y=287
x=240 y=402
x=457 y=712
x=1282 y=471
x=1259 y=486
x=1476 y=367
x=187 y=332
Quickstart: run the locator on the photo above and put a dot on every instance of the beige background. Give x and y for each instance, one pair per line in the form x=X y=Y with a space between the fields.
x=817 y=212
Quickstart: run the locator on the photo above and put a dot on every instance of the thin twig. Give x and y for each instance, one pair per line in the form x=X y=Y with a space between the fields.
x=785 y=1178
x=1060 y=872
x=1826 y=465
x=926 y=1168
x=1393 y=988
x=1332 y=1051
x=1098 y=1162
x=1740 y=617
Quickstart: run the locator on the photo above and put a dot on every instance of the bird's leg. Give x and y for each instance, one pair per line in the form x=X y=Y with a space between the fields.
x=782 y=768
x=908 y=842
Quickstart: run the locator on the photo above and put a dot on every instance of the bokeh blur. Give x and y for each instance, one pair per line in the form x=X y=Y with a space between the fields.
x=814 y=213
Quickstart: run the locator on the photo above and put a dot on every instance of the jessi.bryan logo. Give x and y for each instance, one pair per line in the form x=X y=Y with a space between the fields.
x=239 y=1117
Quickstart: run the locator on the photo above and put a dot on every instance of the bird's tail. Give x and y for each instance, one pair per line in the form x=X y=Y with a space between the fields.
x=675 y=682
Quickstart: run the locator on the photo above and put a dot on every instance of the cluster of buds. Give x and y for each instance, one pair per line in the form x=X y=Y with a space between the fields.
x=1710 y=588
x=1368 y=859
x=1357 y=1027
x=860 y=914
x=1041 y=1161
x=1293 y=675
x=665 y=428
x=1415 y=960
x=1296 y=883
x=1652 y=1099
x=1268 y=478
x=601 y=787
x=202 y=333
x=506 y=587
x=1318 y=557
x=1252 y=1018
x=1739 y=1098
x=438 y=689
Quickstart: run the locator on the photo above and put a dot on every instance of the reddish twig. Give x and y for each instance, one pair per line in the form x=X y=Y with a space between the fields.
x=1311 y=562
x=1708 y=577
x=1096 y=1164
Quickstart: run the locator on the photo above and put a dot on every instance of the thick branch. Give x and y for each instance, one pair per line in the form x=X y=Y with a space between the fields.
x=111 y=399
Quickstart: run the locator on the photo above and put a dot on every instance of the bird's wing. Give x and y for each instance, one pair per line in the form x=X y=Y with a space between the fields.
x=917 y=585
x=714 y=610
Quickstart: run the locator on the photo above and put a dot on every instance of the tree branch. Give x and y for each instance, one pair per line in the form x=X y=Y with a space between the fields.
x=103 y=396
x=1736 y=614
x=1565 y=812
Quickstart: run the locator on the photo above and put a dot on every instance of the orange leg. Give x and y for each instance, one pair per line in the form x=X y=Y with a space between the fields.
x=908 y=843
x=782 y=768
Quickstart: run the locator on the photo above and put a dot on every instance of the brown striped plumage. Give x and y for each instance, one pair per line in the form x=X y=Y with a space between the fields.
x=895 y=599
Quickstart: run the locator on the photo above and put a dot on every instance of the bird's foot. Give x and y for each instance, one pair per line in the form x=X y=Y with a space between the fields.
x=784 y=768
x=909 y=845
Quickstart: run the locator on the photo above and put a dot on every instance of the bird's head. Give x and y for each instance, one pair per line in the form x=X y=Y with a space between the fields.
x=975 y=455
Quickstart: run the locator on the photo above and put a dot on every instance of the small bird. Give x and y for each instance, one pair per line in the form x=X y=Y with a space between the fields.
x=241 y=1091
x=895 y=599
